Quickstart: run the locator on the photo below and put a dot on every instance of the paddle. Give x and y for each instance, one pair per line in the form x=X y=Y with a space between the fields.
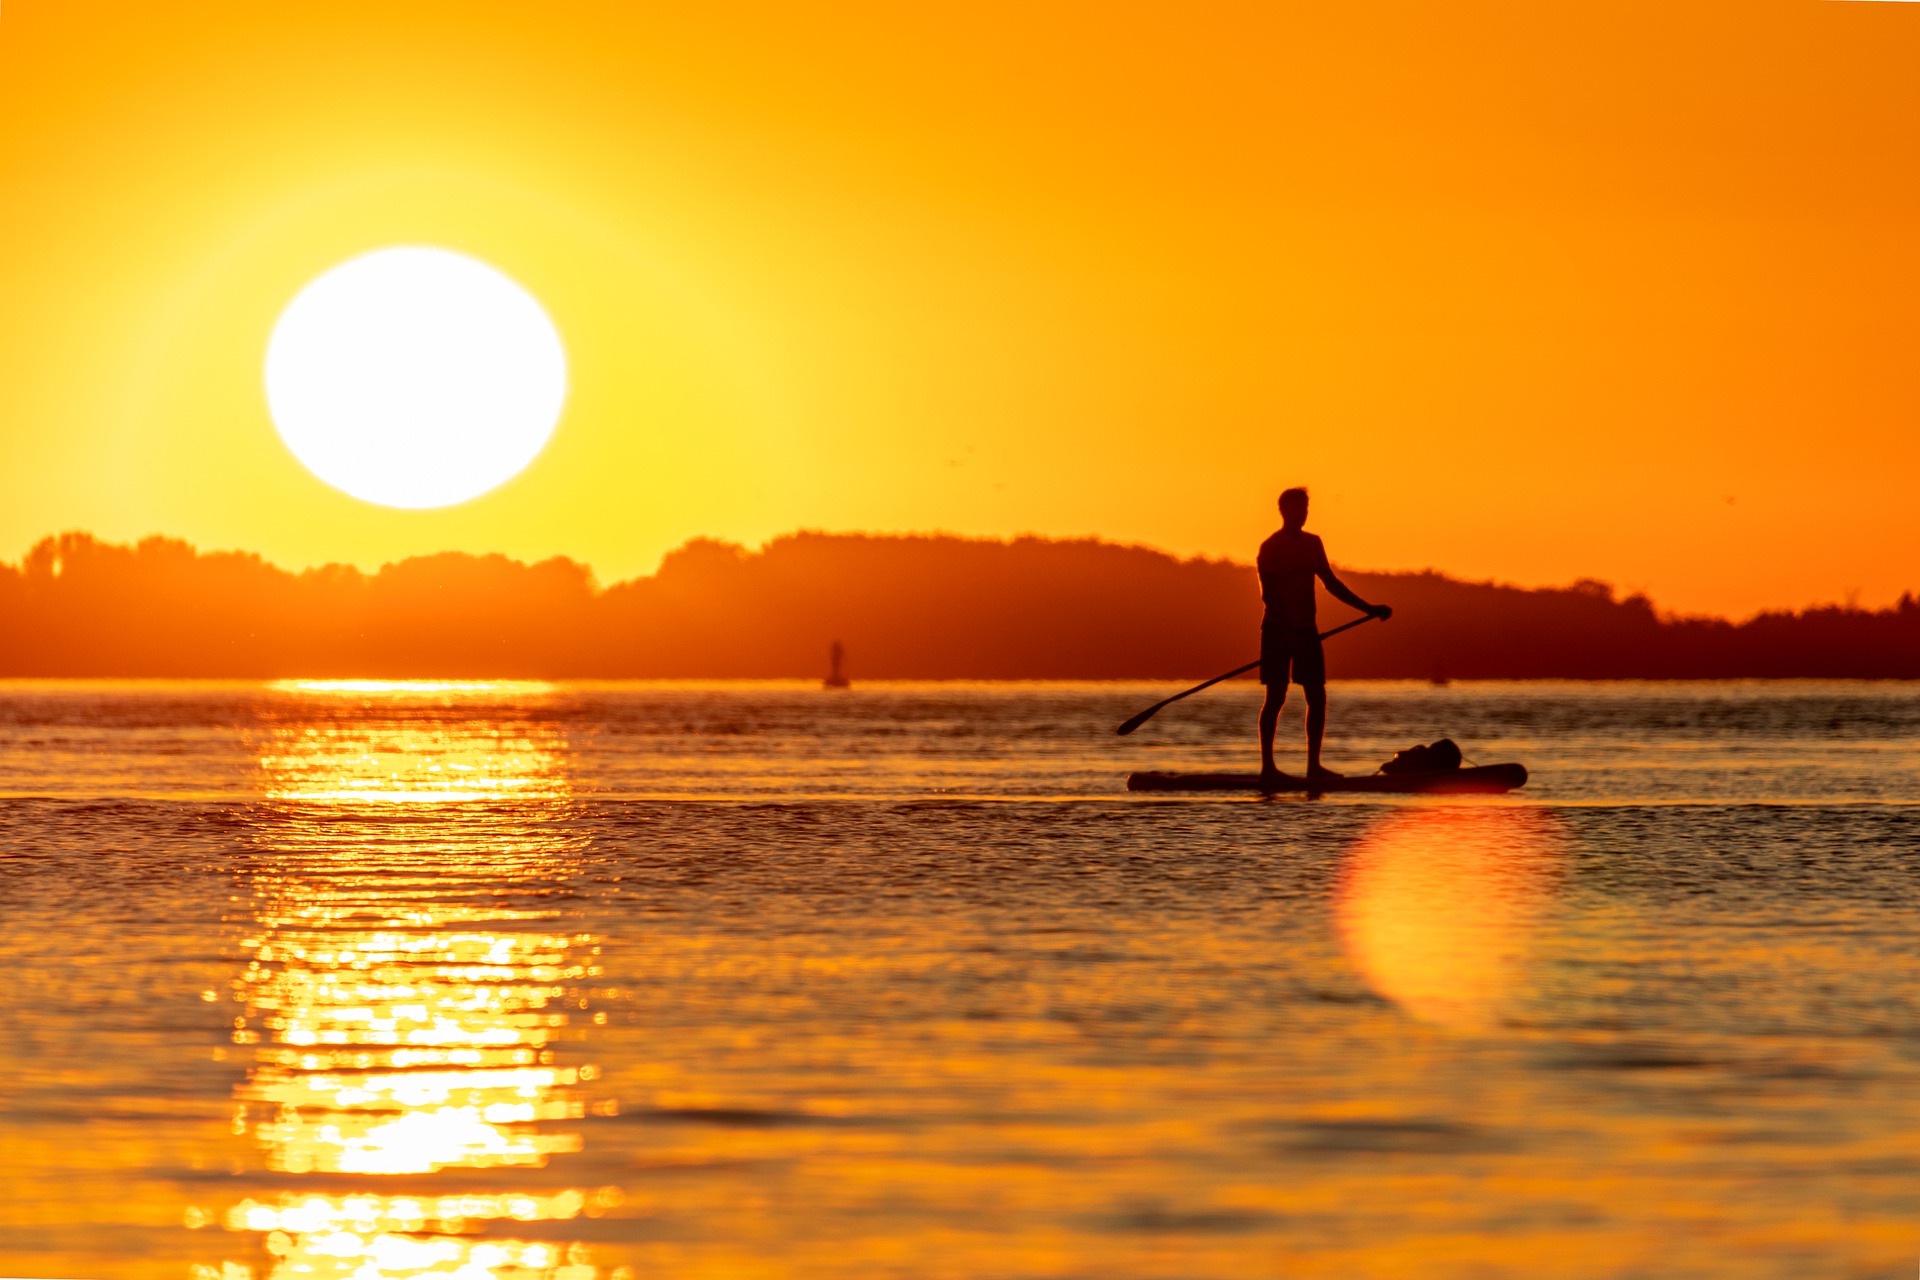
x=1136 y=721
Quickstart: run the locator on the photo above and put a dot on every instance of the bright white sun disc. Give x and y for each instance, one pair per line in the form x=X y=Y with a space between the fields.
x=415 y=377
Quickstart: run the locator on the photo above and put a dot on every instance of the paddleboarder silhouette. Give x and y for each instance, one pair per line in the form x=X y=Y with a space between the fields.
x=1288 y=562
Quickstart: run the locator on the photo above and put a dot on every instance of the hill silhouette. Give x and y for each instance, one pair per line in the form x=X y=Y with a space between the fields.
x=919 y=606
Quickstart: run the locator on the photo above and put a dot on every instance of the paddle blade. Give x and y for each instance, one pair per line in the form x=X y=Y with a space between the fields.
x=1162 y=705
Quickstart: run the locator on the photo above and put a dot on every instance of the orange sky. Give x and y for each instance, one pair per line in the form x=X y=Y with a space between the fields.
x=1529 y=291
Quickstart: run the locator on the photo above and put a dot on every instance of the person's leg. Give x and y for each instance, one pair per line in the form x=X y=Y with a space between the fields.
x=1316 y=724
x=1310 y=670
x=1269 y=719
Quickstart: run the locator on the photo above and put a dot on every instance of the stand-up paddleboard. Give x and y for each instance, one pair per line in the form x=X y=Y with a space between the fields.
x=1489 y=779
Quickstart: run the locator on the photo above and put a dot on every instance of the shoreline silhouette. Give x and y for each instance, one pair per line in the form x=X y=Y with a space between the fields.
x=913 y=607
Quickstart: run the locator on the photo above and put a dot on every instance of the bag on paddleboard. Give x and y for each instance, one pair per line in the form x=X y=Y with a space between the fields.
x=1432 y=758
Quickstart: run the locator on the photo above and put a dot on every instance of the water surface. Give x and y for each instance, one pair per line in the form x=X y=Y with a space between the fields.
x=580 y=981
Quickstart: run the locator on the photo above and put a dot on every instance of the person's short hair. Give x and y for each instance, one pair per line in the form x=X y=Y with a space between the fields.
x=1296 y=496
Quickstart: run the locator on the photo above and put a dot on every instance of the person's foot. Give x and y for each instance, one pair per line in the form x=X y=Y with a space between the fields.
x=1318 y=771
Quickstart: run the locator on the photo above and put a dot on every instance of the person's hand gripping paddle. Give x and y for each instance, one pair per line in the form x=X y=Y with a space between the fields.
x=1134 y=722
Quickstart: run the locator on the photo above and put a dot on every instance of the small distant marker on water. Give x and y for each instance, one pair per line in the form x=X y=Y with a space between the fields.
x=836 y=676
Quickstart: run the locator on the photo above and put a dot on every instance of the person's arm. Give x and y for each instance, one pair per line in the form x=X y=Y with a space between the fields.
x=1342 y=592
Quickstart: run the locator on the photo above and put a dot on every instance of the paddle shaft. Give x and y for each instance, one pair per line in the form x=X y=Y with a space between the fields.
x=1135 y=722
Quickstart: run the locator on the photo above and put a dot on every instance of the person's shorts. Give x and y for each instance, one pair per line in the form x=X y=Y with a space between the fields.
x=1291 y=652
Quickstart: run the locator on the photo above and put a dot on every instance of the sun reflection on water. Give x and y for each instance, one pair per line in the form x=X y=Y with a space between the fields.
x=1440 y=909
x=407 y=989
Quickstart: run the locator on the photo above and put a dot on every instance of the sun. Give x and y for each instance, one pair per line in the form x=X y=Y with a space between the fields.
x=415 y=377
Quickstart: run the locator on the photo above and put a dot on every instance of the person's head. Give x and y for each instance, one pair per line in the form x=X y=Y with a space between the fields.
x=1293 y=508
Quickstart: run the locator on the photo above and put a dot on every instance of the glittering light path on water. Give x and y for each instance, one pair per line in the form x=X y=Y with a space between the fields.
x=404 y=1018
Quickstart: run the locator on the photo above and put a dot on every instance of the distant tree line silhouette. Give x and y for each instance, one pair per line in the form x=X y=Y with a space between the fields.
x=932 y=606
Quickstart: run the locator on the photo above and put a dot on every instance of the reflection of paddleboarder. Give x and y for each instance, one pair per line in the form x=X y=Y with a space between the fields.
x=1289 y=561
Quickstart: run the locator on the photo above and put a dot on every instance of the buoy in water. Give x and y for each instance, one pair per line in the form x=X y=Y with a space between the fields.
x=836 y=677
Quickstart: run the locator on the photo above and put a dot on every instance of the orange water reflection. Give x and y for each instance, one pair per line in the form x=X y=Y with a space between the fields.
x=407 y=989
x=1440 y=909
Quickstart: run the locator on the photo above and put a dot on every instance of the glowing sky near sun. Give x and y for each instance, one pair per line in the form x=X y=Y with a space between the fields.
x=1524 y=291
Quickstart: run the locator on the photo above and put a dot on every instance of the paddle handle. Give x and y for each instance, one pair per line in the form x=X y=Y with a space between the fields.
x=1345 y=626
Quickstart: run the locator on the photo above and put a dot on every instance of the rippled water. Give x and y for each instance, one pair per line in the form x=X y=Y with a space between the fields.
x=517 y=980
